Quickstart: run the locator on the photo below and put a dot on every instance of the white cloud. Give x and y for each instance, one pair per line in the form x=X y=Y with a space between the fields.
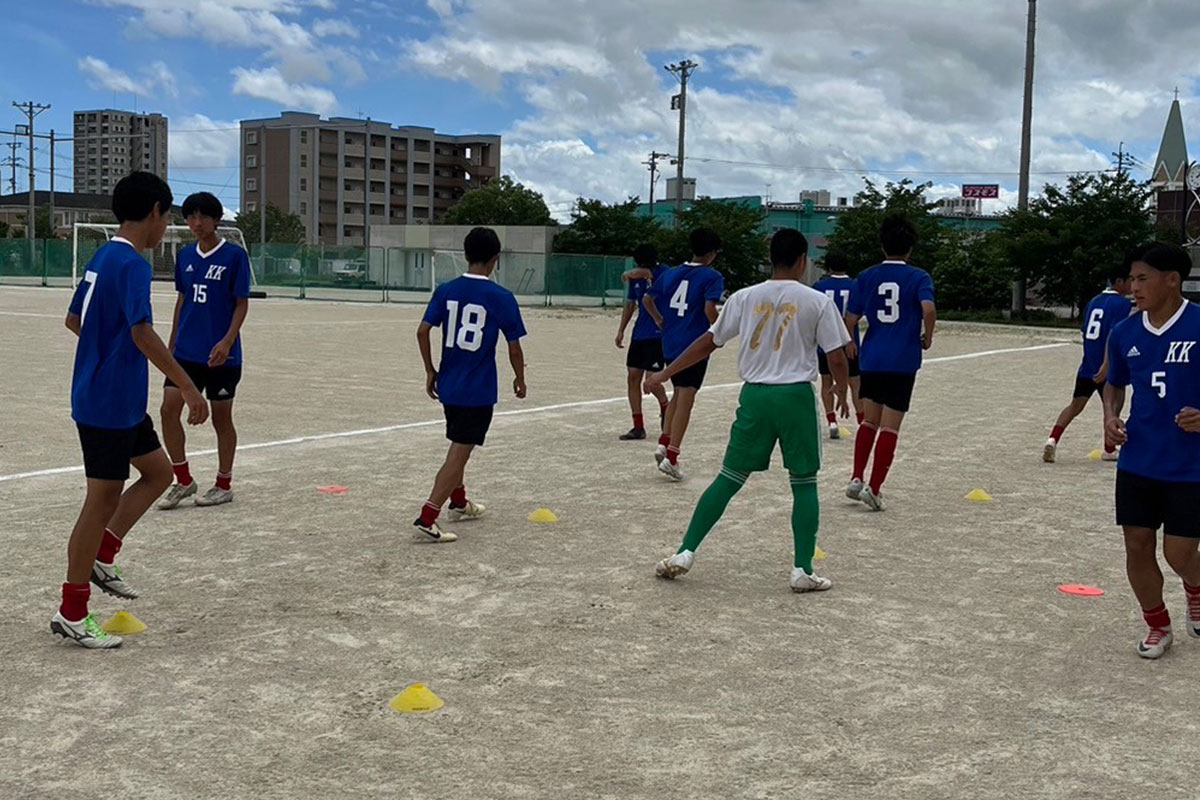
x=334 y=27
x=198 y=141
x=270 y=84
x=155 y=79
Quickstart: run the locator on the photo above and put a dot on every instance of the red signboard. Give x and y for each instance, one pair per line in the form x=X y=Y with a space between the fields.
x=981 y=190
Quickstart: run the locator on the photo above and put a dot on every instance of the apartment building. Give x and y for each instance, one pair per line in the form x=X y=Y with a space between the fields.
x=329 y=174
x=110 y=144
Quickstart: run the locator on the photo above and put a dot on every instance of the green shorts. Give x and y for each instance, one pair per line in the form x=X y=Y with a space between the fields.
x=767 y=414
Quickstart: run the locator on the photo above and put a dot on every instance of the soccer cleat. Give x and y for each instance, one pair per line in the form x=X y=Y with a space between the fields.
x=108 y=578
x=660 y=454
x=808 y=582
x=176 y=495
x=675 y=566
x=872 y=500
x=215 y=497
x=634 y=434
x=431 y=533
x=670 y=470
x=1049 y=451
x=1193 y=615
x=854 y=489
x=834 y=431
x=1156 y=642
x=1107 y=456
x=469 y=511
x=85 y=633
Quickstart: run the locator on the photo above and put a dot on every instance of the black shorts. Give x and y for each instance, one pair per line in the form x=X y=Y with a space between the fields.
x=645 y=354
x=891 y=389
x=823 y=365
x=692 y=377
x=108 y=451
x=468 y=424
x=218 y=383
x=1150 y=503
x=1086 y=387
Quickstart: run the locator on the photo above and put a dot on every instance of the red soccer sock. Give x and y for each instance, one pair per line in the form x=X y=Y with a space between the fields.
x=1056 y=433
x=639 y=421
x=1158 y=618
x=665 y=439
x=429 y=514
x=673 y=455
x=860 y=417
x=459 y=496
x=885 y=452
x=75 y=601
x=110 y=545
x=831 y=418
x=225 y=480
x=864 y=440
x=183 y=475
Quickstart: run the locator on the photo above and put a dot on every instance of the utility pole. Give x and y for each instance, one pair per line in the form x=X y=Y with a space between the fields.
x=1018 y=298
x=1120 y=154
x=652 y=163
x=30 y=109
x=53 y=231
x=12 y=161
x=682 y=71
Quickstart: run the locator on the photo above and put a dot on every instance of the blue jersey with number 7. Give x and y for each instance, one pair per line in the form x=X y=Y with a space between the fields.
x=680 y=295
x=889 y=297
x=472 y=312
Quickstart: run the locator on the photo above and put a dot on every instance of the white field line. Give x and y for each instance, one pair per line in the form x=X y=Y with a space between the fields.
x=320 y=437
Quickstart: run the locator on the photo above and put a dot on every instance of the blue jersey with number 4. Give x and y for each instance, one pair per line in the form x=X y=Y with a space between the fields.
x=680 y=295
x=838 y=289
x=644 y=327
x=1163 y=367
x=889 y=297
x=210 y=284
x=1102 y=314
x=109 y=387
x=472 y=312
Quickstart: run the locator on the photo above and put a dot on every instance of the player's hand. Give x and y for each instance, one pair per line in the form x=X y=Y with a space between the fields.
x=519 y=388
x=220 y=353
x=431 y=384
x=1101 y=376
x=851 y=351
x=654 y=380
x=621 y=341
x=842 y=404
x=1114 y=432
x=926 y=341
x=1188 y=419
x=197 y=407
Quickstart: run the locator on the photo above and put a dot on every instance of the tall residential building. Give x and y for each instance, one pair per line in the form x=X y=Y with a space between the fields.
x=110 y=144
x=323 y=171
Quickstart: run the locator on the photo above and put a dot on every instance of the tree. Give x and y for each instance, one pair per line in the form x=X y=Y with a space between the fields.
x=857 y=231
x=282 y=227
x=598 y=228
x=745 y=257
x=971 y=271
x=3 y=229
x=500 y=202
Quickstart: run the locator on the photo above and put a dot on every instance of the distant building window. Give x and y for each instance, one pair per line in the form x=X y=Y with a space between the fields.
x=303 y=160
x=251 y=161
x=303 y=207
x=251 y=137
x=304 y=184
x=251 y=185
x=252 y=206
x=303 y=137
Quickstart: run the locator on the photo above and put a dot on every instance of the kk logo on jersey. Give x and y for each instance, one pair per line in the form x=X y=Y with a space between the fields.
x=214 y=274
x=1179 y=353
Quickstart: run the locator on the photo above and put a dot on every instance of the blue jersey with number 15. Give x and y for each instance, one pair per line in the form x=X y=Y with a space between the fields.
x=680 y=295
x=472 y=312
x=889 y=297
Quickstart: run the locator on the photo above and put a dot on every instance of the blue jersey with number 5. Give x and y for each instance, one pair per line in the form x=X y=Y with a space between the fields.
x=680 y=296
x=1163 y=367
x=472 y=312
x=889 y=297
x=1102 y=314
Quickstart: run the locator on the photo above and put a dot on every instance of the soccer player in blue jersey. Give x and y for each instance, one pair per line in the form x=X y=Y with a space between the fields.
x=897 y=301
x=645 y=345
x=212 y=278
x=1103 y=312
x=472 y=313
x=837 y=285
x=1158 y=470
x=688 y=295
x=110 y=313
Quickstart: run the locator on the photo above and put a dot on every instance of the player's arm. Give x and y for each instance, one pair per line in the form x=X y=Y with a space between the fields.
x=220 y=352
x=626 y=315
x=516 y=357
x=710 y=310
x=148 y=341
x=175 y=321
x=1113 y=401
x=73 y=323
x=839 y=366
x=929 y=313
x=426 y=348
x=696 y=352
x=851 y=319
x=637 y=274
x=652 y=309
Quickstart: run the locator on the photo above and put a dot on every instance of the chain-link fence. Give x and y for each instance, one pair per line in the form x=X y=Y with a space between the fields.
x=42 y=262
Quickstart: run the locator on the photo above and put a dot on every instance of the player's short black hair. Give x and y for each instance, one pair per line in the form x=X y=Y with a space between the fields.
x=136 y=195
x=897 y=234
x=204 y=202
x=704 y=241
x=645 y=255
x=787 y=245
x=836 y=261
x=1167 y=257
x=481 y=245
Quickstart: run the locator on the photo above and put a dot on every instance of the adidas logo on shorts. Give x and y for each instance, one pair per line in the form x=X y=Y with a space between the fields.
x=223 y=393
x=1133 y=351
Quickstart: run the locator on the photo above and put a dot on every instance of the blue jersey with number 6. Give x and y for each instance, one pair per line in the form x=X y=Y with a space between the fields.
x=680 y=295
x=889 y=297
x=1163 y=367
x=209 y=284
x=1102 y=314
x=472 y=312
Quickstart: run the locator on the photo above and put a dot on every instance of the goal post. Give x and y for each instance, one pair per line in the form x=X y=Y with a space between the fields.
x=87 y=237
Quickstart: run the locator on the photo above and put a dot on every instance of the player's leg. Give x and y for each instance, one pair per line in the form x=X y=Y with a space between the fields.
x=633 y=386
x=864 y=440
x=827 y=394
x=1141 y=506
x=448 y=479
x=471 y=432
x=1084 y=388
x=890 y=421
x=1181 y=535
x=73 y=620
x=856 y=391
x=664 y=439
x=222 y=389
x=793 y=409
x=175 y=441
x=684 y=401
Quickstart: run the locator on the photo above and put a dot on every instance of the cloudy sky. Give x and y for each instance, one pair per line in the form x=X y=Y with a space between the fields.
x=790 y=94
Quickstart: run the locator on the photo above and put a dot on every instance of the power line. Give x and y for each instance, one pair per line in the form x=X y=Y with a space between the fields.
x=882 y=171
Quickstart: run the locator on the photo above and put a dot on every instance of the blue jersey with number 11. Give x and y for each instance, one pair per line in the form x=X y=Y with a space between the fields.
x=889 y=297
x=838 y=288
x=472 y=311
x=680 y=295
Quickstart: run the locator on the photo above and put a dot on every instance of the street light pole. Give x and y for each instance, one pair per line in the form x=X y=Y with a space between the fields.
x=1018 y=297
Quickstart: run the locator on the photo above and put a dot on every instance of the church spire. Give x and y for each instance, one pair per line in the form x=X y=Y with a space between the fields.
x=1170 y=168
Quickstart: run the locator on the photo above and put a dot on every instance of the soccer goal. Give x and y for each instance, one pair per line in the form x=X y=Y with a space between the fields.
x=87 y=237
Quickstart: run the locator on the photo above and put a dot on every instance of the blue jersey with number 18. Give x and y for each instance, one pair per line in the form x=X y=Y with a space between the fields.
x=472 y=312
x=889 y=297
x=680 y=295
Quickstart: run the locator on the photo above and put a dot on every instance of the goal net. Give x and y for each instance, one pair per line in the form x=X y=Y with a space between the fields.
x=87 y=237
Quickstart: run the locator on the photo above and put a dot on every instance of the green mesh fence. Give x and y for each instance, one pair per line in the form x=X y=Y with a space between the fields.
x=45 y=262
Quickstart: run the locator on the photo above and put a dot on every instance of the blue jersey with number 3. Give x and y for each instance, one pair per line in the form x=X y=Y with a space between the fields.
x=472 y=312
x=680 y=295
x=889 y=297
x=838 y=289
x=1163 y=367
x=209 y=284
x=1102 y=314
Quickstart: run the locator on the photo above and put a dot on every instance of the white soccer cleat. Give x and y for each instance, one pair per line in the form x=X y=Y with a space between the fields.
x=1049 y=451
x=660 y=454
x=854 y=489
x=873 y=501
x=1107 y=456
x=675 y=566
x=176 y=495
x=215 y=497
x=670 y=470
x=1155 y=643
x=467 y=512
x=85 y=633
x=835 y=432
x=109 y=579
x=808 y=582
x=432 y=534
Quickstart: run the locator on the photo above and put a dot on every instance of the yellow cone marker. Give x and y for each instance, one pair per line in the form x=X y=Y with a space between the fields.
x=844 y=432
x=979 y=496
x=1094 y=455
x=416 y=699
x=123 y=623
x=818 y=554
x=543 y=515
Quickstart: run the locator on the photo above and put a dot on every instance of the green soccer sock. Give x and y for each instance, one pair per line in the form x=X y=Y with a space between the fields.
x=711 y=506
x=806 y=518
